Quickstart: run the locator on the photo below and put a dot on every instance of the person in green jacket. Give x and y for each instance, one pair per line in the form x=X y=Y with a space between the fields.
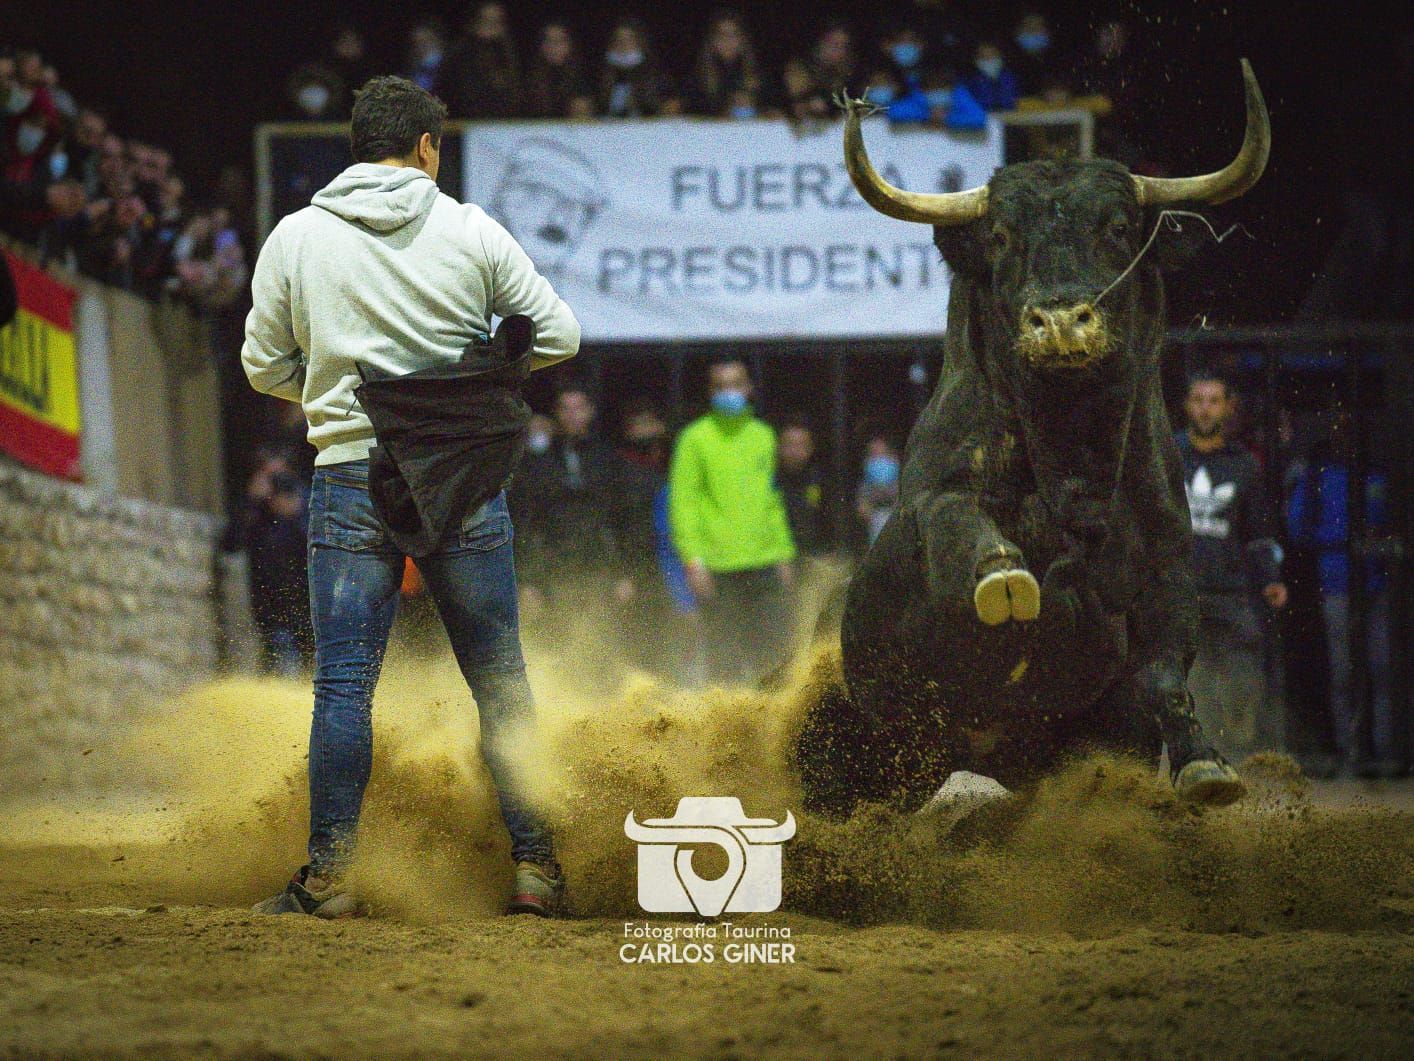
x=728 y=523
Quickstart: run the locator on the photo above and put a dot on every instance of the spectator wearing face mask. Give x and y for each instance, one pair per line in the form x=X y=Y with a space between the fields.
x=992 y=84
x=729 y=525
x=901 y=103
x=32 y=128
x=557 y=86
x=726 y=80
x=316 y=94
x=950 y=104
x=630 y=82
x=1035 y=60
x=481 y=77
x=878 y=489
x=905 y=50
x=427 y=49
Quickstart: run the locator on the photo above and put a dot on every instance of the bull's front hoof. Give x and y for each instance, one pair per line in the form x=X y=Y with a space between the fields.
x=1209 y=783
x=1009 y=594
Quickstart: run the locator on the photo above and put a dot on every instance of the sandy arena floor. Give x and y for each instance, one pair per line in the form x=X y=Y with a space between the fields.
x=1097 y=919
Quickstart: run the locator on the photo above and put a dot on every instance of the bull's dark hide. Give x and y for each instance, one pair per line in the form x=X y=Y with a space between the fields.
x=1070 y=473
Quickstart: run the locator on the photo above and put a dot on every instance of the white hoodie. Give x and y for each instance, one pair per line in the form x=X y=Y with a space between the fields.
x=382 y=269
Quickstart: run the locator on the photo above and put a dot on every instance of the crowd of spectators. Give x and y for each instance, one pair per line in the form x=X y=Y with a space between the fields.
x=118 y=209
x=112 y=207
x=928 y=68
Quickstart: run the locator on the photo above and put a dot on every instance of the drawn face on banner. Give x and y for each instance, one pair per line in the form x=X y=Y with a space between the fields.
x=547 y=198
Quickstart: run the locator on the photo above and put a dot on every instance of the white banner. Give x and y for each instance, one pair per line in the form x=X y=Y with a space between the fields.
x=684 y=229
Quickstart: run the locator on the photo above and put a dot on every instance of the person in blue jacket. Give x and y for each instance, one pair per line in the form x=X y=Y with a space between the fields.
x=1318 y=516
x=993 y=85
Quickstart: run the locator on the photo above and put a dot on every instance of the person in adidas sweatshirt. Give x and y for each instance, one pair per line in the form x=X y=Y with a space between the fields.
x=1234 y=551
x=383 y=270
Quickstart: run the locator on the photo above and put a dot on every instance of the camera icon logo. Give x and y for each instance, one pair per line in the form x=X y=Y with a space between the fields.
x=667 y=883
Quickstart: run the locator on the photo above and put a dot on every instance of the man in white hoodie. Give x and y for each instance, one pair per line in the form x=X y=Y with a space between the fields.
x=383 y=270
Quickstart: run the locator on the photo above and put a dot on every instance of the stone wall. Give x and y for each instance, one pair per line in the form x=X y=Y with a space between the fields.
x=107 y=606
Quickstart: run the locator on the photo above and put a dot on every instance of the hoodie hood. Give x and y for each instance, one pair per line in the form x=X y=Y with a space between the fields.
x=384 y=198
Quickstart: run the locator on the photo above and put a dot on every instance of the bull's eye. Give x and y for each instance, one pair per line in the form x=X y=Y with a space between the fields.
x=1118 y=229
x=1001 y=238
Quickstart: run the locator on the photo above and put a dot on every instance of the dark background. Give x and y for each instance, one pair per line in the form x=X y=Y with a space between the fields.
x=197 y=77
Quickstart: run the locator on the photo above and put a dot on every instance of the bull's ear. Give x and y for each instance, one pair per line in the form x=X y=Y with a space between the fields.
x=1181 y=238
x=963 y=247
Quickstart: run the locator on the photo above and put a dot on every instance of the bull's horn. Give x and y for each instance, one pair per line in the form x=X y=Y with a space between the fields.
x=1234 y=178
x=947 y=208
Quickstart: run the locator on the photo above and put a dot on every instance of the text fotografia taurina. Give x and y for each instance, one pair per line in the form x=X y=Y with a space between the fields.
x=706 y=944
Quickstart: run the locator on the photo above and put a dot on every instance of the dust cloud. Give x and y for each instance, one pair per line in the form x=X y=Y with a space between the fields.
x=210 y=808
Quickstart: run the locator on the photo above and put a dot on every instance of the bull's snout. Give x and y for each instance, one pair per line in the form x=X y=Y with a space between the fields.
x=1063 y=335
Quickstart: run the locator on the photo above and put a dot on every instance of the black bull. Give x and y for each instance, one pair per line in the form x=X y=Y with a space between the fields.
x=1033 y=593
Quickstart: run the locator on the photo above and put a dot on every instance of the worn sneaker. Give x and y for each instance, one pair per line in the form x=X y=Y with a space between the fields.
x=538 y=890
x=310 y=894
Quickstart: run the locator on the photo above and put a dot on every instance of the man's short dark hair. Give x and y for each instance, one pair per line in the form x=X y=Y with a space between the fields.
x=1208 y=375
x=390 y=114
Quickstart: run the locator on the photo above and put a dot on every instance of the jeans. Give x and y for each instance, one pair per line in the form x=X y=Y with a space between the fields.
x=1228 y=680
x=355 y=573
x=1335 y=609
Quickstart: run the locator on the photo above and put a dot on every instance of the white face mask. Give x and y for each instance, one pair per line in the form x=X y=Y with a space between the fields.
x=625 y=60
x=990 y=67
x=312 y=99
x=28 y=138
x=19 y=99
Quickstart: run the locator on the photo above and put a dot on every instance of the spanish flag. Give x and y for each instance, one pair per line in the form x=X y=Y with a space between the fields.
x=39 y=380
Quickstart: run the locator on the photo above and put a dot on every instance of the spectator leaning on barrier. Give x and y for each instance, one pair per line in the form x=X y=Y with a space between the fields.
x=902 y=102
x=1234 y=551
x=382 y=271
x=726 y=80
x=348 y=58
x=557 y=86
x=810 y=82
x=316 y=94
x=426 y=52
x=1035 y=60
x=906 y=51
x=992 y=83
x=729 y=526
x=950 y=104
x=481 y=76
x=631 y=83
